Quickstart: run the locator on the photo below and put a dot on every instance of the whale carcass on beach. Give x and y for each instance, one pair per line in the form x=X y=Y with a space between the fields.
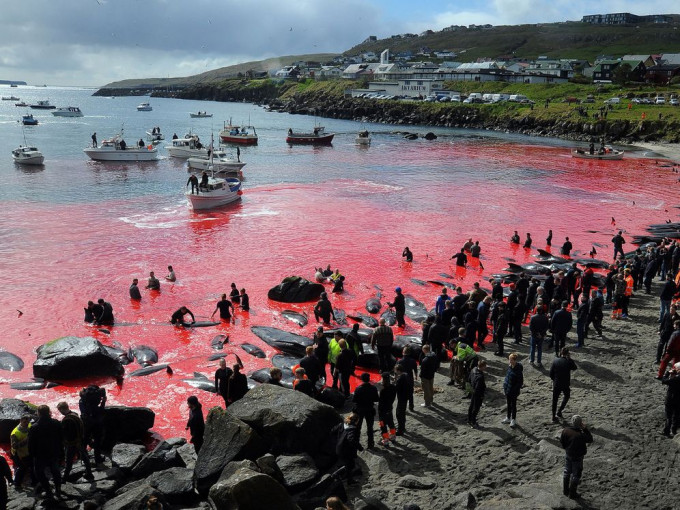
x=10 y=362
x=284 y=341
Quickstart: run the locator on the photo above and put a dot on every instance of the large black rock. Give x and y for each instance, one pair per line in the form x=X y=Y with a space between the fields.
x=73 y=357
x=11 y=410
x=295 y=289
x=164 y=456
x=123 y=424
x=241 y=486
x=289 y=421
x=226 y=439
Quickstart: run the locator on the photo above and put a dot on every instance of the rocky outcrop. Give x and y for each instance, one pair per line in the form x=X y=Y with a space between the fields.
x=73 y=357
x=164 y=456
x=11 y=411
x=123 y=424
x=227 y=439
x=299 y=471
x=242 y=486
x=295 y=289
x=289 y=421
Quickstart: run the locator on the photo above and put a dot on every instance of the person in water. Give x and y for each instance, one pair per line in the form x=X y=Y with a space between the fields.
x=106 y=315
x=245 y=301
x=548 y=240
x=567 y=247
x=515 y=238
x=527 y=242
x=407 y=254
x=153 y=283
x=225 y=307
x=134 y=291
x=178 y=317
x=235 y=295
x=461 y=258
x=171 y=275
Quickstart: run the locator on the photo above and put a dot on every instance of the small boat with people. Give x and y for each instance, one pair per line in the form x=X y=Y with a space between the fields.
x=29 y=120
x=363 y=138
x=242 y=135
x=605 y=152
x=144 y=107
x=188 y=147
x=316 y=137
x=211 y=191
x=200 y=115
x=116 y=149
x=155 y=135
x=221 y=166
x=42 y=105
x=10 y=98
x=25 y=155
x=68 y=111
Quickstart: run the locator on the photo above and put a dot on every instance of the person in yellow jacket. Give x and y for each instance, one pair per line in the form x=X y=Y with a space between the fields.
x=333 y=352
x=19 y=451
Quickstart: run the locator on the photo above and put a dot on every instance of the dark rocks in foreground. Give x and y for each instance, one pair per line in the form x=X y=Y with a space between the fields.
x=73 y=357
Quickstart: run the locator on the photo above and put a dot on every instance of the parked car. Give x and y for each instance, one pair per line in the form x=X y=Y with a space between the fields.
x=589 y=99
x=674 y=102
x=613 y=100
x=660 y=100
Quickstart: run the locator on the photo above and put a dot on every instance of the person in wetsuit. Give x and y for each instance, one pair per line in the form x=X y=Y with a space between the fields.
x=399 y=305
x=461 y=258
x=407 y=253
x=234 y=294
x=245 y=300
x=178 y=317
x=225 y=307
x=106 y=315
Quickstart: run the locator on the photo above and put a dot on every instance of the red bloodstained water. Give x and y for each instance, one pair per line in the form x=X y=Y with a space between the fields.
x=56 y=257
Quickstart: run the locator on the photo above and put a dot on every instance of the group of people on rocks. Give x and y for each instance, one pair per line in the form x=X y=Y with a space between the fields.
x=40 y=443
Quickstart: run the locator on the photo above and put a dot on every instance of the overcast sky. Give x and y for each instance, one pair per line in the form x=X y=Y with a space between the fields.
x=94 y=42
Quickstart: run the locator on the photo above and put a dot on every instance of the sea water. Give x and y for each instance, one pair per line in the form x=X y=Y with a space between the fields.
x=75 y=230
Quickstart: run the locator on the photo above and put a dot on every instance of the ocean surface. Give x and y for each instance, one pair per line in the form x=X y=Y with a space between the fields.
x=75 y=230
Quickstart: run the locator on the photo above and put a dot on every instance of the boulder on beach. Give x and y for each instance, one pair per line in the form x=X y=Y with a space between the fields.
x=299 y=471
x=72 y=357
x=289 y=421
x=11 y=410
x=295 y=289
x=227 y=438
x=244 y=487
x=123 y=424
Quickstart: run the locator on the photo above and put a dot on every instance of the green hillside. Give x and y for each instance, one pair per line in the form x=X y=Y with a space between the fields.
x=270 y=64
x=566 y=40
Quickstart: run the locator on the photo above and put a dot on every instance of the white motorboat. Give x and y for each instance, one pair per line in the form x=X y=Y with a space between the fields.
x=200 y=115
x=68 y=111
x=155 y=135
x=42 y=105
x=115 y=149
x=221 y=166
x=363 y=138
x=27 y=155
x=188 y=147
x=217 y=193
x=608 y=153
x=144 y=107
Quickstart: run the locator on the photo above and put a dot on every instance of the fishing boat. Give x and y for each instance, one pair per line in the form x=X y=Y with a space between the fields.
x=10 y=98
x=216 y=192
x=187 y=147
x=144 y=107
x=115 y=149
x=221 y=166
x=316 y=137
x=25 y=155
x=29 y=120
x=42 y=105
x=609 y=153
x=243 y=135
x=155 y=135
x=21 y=104
x=363 y=138
x=68 y=111
x=200 y=115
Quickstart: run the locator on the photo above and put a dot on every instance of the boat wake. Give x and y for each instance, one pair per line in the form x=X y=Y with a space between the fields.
x=168 y=218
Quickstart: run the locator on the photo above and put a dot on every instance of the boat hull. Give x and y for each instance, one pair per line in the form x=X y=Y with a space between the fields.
x=362 y=140
x=218 y=165
x=42 y=107
x=205 y=202
x=200 y=115
x=614 y=155
x=240 y=140
x=185 y=153
x=67 y=114
x=122 y=155
x=309 y=139
x=32 y=160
